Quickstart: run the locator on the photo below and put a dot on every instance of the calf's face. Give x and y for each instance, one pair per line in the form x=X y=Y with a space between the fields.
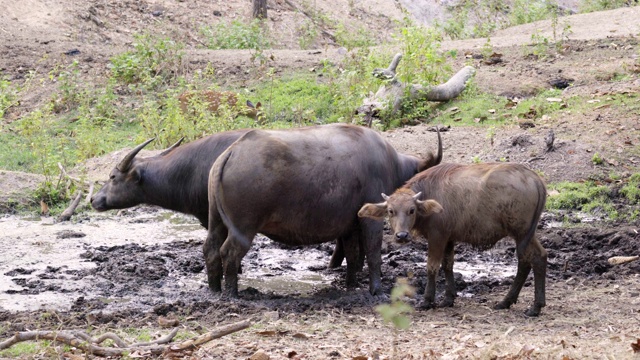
x=402 y=208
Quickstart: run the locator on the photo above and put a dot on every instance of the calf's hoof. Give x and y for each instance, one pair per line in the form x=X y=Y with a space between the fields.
x=375 y=289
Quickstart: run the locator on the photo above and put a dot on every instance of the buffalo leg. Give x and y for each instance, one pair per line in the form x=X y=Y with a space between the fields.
x=338 y=255
x=539 y=264
x=524 y=268
x=447 y=267
x=434 y=259
x=371 y=232
x=232 y=252
x=351 y=251
x=215 y=238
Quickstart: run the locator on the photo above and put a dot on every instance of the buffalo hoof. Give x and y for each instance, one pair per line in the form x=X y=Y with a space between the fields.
x=427 y=305
x=375 y=290
x=446 y=303
x=533 y=311
x=502 y=305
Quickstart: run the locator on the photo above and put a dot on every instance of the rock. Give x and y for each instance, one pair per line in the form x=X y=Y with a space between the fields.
x=260 y=355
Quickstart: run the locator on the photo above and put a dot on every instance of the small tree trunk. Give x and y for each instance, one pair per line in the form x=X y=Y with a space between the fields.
x=259 y=9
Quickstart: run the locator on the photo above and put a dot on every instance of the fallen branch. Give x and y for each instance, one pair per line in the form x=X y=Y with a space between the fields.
x=91 y=186
x=68 y=212
x=88 y=345
x=392 y=94
x=66 y=174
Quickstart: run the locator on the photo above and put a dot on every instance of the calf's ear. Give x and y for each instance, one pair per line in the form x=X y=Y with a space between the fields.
x=373 y=211
x=429 y=207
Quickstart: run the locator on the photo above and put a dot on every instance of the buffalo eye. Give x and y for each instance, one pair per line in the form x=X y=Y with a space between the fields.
x=412 y=211
x=391 y=212
x=111 y=177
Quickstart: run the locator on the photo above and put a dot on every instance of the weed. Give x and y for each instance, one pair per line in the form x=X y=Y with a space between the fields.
x=586 y=196
x=153 y=61
x=237 y=35
x=353 y=38
x=8 y=95
x=599 y=5
x=597 y=159
x=524 y=12
x=631 y=190
x=395 y=313
x=476 y=159
x=308 y=33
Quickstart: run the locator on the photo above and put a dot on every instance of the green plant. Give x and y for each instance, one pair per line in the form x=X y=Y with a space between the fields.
x=8 y=95
x=631 y=190
x=597 y=159
x=153 y=61
x=22 y=350
x=524 y=12
x=599 y=5
x=585 y=196
x=308 y=33
x=476 y=159
x=353 y=38
x=396 y=312
x=237 y=35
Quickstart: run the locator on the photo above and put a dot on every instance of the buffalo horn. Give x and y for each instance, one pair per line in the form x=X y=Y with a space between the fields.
x=385 y=196
x=171 y=147
x=417 y=196
x=126 y=162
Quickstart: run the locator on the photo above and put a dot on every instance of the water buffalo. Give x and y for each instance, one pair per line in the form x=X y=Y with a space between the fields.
x=176 y=179
x=298 y=187
x=476 y=204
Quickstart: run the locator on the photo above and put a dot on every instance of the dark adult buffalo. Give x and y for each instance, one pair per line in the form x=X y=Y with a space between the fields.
x=476 y=204
x=176 y=179
x=299 y=187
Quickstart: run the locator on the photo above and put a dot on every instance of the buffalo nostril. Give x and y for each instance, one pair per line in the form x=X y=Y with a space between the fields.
x=402 y=235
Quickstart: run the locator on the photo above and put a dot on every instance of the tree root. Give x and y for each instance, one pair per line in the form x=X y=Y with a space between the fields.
x=89 y=345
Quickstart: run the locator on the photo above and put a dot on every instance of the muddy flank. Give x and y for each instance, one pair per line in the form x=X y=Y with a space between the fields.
x=88 y=273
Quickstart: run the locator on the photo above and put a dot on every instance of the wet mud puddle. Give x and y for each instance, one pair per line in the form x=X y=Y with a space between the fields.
x=147 y=257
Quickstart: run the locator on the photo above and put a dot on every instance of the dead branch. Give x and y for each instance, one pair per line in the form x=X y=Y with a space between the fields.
x=91 y=186
x=66 y=174
x=225 y=330
x=68 y=212
x=88 y=345
x=394 y=92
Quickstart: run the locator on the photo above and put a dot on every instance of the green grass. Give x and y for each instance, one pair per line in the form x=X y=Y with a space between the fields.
x=587 y=197
x=631 y=190
x=237 y=35
x=22 y=350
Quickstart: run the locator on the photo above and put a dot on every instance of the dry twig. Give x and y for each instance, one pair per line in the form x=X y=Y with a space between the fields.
x=89 y=345
x=68 y=212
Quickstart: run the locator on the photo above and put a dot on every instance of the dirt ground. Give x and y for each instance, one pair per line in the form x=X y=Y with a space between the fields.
x=120 y=270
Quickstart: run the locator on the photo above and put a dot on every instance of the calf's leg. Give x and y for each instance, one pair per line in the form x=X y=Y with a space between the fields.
x=538 y=257
x=434 y=259
x=447 y=267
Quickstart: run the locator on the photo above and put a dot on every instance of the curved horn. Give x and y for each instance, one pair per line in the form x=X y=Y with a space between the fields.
x=126 y=162
x=439 y=156
x=385 y=196
x=171 y=147
x=417 y=196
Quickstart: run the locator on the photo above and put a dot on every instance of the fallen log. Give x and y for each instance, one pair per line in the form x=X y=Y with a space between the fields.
x=391 y=95
x=89 y=345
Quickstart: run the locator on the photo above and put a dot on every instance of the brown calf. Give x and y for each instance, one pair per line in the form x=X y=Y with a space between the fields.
x=215 y=99
x=476 y=204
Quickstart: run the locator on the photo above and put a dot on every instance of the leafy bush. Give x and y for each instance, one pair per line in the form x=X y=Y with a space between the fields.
x=236 y=35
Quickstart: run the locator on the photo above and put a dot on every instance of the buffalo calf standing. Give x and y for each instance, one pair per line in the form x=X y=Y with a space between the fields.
x=476 y=204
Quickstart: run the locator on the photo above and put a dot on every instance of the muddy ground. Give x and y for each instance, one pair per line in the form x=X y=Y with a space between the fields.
x=121 y=270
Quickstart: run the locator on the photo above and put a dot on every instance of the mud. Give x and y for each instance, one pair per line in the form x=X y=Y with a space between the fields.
x=148 y=262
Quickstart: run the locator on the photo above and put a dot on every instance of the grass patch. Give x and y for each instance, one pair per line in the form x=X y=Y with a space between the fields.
x=631 y=190
x=587 y=196
x=22 y=350
x=237 y=35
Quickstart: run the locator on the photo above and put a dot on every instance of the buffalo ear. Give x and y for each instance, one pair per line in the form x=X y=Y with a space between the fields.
x=373 y=211
x=429 y=207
